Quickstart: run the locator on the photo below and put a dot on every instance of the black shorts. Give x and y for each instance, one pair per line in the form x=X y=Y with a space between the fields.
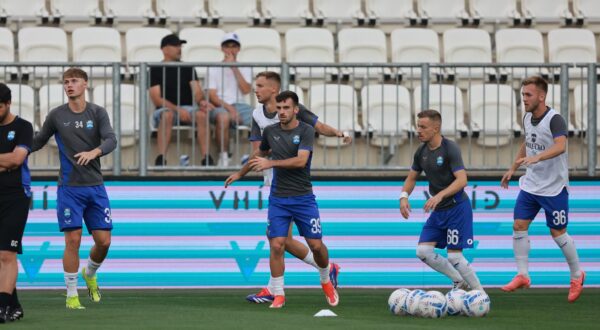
x=13 y=216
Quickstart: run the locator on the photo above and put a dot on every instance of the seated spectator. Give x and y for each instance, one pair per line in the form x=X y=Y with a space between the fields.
x=227 y=88
x=177 y=95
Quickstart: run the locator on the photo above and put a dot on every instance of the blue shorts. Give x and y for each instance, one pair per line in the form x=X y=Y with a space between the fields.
x=556 y=208
x=78 y=204
x=158 y=113
x=302 y=210
x=244 y=113
x=452 y=228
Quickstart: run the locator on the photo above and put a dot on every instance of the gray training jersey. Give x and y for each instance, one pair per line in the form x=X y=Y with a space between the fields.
x=285 y=144
x=439 y=166
x=75 y=133
x=550 y=176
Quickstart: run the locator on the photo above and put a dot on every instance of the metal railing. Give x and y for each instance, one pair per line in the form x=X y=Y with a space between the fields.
x=380 y=143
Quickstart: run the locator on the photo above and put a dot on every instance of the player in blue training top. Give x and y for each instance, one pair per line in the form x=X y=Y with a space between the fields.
x=544 y=185
x=450 y=224
x=83 y=134
x=15 y=196
x=290 y=143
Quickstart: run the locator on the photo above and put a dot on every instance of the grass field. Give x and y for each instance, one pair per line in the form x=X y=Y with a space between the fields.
x=358 y=309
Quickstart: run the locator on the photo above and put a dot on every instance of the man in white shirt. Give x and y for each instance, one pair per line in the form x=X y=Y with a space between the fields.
x=227 y=88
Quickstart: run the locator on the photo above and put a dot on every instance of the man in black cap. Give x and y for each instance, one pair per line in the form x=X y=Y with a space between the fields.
x=16 y=136
x=177 y=95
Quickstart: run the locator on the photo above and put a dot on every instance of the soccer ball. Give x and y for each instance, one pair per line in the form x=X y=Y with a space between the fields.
x=476 y=303
x=396 y=301
x=454 y=299
x=433 y=305
x=411 y=305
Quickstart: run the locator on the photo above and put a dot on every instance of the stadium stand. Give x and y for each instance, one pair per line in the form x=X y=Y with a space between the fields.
x=387 y=112
x=26 y=10
x=181 y=10
x=587 y=9
x=337 y=106
x=76 y=10
x=203 y=45
x=447 y=99
x=43 y=45
x=571 y=45
x=103 y=96
x=7 y=51
x=391 y=11
x=362 y=45
x=519 y=46
x=96 y=44
x=143 y=44
x=309 y=45
x=234 y=11
x=414 y=45
x=287 y=11
x=262 y=45
x=339 y=10
x=465 y=45
x=493 y=114
x=580 y=94
x=490 y=11
x=130 y=10
x=23 y=102
x=443 y=11
x=546 y=10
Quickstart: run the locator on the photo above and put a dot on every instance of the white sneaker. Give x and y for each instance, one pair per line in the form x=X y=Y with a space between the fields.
x=223 y=159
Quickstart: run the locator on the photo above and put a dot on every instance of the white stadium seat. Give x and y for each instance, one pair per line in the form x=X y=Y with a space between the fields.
x=571 y=45
x=415 y=45
x=181 y=9
x=233 y=9
x=286 y=10
x=587 y=8
x=519 y=46
x=493 y=113
x=447 y=99
x=75 y=9
x=545 y=10
x=387 y=112
x=103 y=96
x=464 y=45
x=337 y=106
x=261 y=45
x=390 y=9
x=7 y=45
x=129 y=10
x=309 y=45
x=442 y=10
x=143 y=44
x=25 y=9
x=43 y=44
x=581 y=107
x=203 y=45
x=338 y=9
x=494 y=10
x=96 y=44
x=360 y=45
x=23 y=102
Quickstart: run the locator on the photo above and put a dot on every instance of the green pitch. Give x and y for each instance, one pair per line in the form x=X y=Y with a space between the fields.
x=358 y=309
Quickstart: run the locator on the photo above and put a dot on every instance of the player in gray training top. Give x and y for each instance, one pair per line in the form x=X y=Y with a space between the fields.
x=450 y=224
x=544 y=185
x=83 y=134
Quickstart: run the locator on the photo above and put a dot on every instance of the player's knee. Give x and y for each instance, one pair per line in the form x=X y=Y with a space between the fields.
x=424 y=251
x=6 y=257
x=315 y=246
x=72 y=242
x=103 y=243
x=455 y=258
x=520 y=226
x=277 y=246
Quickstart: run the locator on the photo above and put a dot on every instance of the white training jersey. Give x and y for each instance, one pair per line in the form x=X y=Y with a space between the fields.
x=263 y=121
x=547 y=177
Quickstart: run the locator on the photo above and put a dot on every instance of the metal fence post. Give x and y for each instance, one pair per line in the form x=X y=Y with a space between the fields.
x=424 y=87
x=116 y=103
x=285 y=76
x=564 y=92
x=143 y=114
x=592 y=128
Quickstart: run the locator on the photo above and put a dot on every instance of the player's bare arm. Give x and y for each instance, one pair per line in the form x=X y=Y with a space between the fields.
x=508 y=175
x=261 y=163
x=407 y=188
x=327 y=130
x=457 y=185
x=246 y=168
x=13 y=159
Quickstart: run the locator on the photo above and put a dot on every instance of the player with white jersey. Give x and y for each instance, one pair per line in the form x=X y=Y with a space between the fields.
x=268 y=84
x=544 y=185
x=450 y=224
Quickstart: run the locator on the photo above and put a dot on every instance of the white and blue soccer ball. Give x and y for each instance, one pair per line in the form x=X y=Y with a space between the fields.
x=454 y=299
x=433 y=305
x=397 y=300
x=411 y=305
x=476 y=303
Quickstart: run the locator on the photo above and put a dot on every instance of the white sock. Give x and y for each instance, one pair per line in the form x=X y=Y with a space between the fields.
x=270 y=285
x=437 y=262
x=521 y=248
x=310 y=259
x=71 y=282
x=277 y=283
x=324 y=273
x=92 y=267
x=465 y=270
x=567 y=245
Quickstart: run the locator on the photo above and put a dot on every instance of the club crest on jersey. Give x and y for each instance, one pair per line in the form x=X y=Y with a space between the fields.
x=296 y=139
x=11 y=135
x=439 y=161
x=89 y=124
x=533 y=137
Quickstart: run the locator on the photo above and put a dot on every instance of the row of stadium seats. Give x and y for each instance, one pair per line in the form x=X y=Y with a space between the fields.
x=386 y=109
x=305 y=45
x=319 y=10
